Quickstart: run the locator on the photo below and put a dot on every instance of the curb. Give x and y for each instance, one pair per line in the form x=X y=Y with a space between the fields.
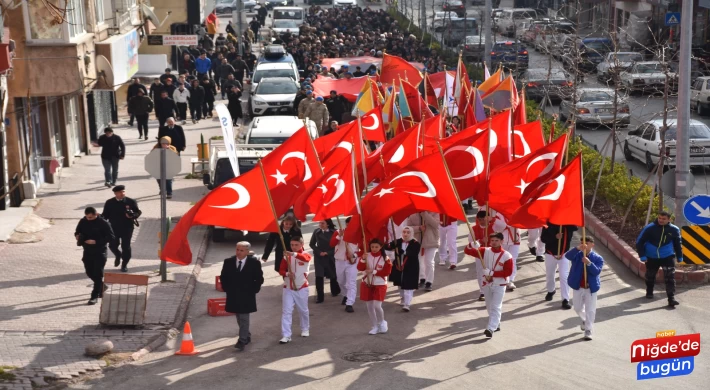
x=630 y=258
x=159 y=340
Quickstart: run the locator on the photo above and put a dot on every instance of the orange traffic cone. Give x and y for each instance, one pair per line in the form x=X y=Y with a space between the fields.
x=187 y=347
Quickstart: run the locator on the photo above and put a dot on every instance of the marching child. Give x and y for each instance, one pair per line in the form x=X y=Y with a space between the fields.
x=483 y=229
x=584 y=291
x=405 y=270
x=295 y=268
x=511 y=243
x=497 y=266
x=373 y=288
x=345 y=267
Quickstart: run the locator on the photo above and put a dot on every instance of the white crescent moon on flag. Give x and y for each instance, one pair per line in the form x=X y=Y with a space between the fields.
x=301 y=156
x=345 y=145
x=339 y=188
x=547 y=156
x=431 y=190
x=477 y=158
x=398 y=155
x=526 y=147
x=244 y=197
x=558 y=192
x=494 y=139
x=376 y=122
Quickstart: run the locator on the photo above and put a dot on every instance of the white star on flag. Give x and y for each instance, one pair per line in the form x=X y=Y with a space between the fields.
x=523 y=185
x=280 y=177
x=384 y=192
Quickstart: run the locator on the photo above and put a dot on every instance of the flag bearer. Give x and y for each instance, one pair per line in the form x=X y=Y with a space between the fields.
x=557 y=242
x=511 y=243
x=295 y=268
x=345 y=267
x=584 y=290
x=373 y=288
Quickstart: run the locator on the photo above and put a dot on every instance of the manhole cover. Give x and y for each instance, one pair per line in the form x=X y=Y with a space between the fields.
x=362 y=357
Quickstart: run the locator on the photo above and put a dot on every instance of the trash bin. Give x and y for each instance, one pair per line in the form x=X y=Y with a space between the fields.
x=124 y=299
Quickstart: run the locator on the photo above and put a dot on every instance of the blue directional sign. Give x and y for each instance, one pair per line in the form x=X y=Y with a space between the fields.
x=697 y=210
x=672 y=18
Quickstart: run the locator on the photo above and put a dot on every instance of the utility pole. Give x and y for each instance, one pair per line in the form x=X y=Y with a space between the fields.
x=237 y=19
x=487 y=27
x=683 y=124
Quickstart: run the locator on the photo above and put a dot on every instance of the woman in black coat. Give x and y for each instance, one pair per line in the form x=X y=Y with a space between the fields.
x=235 y=105
x=323 y=255
x=289 y=228
x=405 y=267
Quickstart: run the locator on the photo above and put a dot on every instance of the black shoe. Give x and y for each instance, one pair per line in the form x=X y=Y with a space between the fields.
x=498 y=329
x=565 y=304
x=649 y=295
x=422 y=282
x=239 y=346
x=108 y=184
x=130 y=123
x=672 y=302
x=481 y=297
x=349 y=309
x=533 y=251
x=345 y=300
x=488 y=334
x=427 y=286
x=145 y=138
x=540 y=259
x=92 y=301
x=319 y=300
x=117 y=262
x=124 y=269
x=549 y=296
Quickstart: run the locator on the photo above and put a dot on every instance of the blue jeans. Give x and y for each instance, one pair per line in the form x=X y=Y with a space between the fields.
x=110 y=169
x=168 y=186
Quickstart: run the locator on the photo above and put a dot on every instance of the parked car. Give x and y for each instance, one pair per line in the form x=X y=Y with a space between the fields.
x=282 y=26
x=273 y=95
x=473 y=47
x=539 y=82
x=227 y=6
x=510 y=19
x=647 y=76
x=274 y=130
x=504 y=53
x=270 y=4
x=455 y=6
x=441 y=20
x=457 y=30
x=595 y=106
x=533 y=28
x=644 y=143
x=585 y=53
x=616 y=62
x=700 y=95
x=345 y=3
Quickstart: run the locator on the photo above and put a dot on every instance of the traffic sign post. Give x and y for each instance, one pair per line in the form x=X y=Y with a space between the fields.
x=696 y=210
x=672 y=18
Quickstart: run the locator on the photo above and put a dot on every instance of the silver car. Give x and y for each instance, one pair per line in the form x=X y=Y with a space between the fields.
x=647 y=76
x=595 y=106
x=616 y=61
x=644 y=143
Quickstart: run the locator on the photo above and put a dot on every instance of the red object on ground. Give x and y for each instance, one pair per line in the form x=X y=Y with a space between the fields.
x=215 y=307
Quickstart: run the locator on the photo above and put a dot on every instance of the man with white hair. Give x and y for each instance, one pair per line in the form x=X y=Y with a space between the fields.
x=241 y=279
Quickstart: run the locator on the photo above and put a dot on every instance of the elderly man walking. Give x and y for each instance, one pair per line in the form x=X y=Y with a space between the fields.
x=241 y=279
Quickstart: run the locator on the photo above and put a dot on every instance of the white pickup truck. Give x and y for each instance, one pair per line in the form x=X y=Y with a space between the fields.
x=700 y=95
x=221 y=169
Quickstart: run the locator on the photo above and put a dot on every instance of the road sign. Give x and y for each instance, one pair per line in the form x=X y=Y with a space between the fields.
x=155 y=40
x=672 y=18
x=668 y=183
x=697 y=210
x=696 y=244
x=173 y=164
x=179 y=40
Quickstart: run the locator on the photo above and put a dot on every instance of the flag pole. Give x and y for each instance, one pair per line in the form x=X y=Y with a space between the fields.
x=362 y=152
x=394 y=233
x=292 y=283
x=362 y=225
x=488 y=174
x=584 y=229
x=569 y=131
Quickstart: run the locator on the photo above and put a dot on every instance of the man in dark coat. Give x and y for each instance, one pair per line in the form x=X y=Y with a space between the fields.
x=133 y=91
x=122 y=213
x=141 y=106
x=405 y=267
x=224 y=70
x=165 y=108
x=168 y=75
x=240 y=66
x=187 y=64
x=112 y=150
x=323 y=254
x=336 y=106
x=197 y=99
x=93 y=234
x=210 y=92
x=241 y=279
x=175 y=132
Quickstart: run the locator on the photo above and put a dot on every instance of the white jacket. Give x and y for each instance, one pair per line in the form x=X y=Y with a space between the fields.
x=341 y=253
x=300 y=265
x=381 y=266
x=511 y=235
x=181 y=96
x=493 y=264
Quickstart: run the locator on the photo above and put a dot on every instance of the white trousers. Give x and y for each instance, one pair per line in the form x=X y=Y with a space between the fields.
x=426 y=264
x=406 y=296
x=290 y=299
x=535 y=242
x=584 y=302
x=347 y=279
x=494 y=304
x=552 y=265
x=479 y=275
x=374 y=310
x=447 y=243
x=513 y=250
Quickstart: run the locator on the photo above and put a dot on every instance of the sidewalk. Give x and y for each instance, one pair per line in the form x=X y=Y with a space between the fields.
x=45 y=322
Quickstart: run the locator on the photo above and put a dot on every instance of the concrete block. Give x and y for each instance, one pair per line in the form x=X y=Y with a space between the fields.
x=98 y=347
x=697 y=277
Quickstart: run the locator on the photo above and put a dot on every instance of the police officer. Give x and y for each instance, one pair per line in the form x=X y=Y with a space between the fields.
x=122 y=212
x=93 y=234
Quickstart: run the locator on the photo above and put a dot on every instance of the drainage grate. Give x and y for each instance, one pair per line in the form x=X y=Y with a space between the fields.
x=364 y=357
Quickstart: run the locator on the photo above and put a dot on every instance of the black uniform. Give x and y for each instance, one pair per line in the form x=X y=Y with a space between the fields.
x=133 y=91
x=234 y=106
x=405 y=267
x=549 y=237
x=324 y=265
x=197 y=99
x=336 y=107
x=275 y=241
x=94 y=257
x=164 y=109
x=117 y=213
x=210 y=92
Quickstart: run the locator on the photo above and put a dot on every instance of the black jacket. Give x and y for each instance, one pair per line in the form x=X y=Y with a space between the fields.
x=170 y=89
x=164 y=77
x=225 y=70
x=111 y=147
x=140 y=105
x=210 y=90
x=133 y=91
x=98 y=230
x=336 y=107
x=549 y=237
x=188 y=66
x=165 y=108
x=241 y=286
x=235 y=105
x=275 y=241
x=240 y=65
x=176 y=134
x=115 y=213
x=155 y=89
x=197 y=95
x=405 y=265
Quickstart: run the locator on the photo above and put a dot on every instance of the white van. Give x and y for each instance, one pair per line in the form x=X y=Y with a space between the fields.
x=296 y=14
x=511 y=19
x=274 y=130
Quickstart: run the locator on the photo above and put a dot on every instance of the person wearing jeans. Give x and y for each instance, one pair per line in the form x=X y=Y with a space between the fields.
x=112 y=150
x=658 y=245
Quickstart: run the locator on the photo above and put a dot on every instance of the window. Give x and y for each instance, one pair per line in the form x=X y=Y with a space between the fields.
x=650 y=133
x=39 y=17
x=75 y=17
x=100 y=16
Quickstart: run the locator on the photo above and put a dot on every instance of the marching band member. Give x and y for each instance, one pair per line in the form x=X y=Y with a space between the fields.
x=345 y=267
x=295 y=268
x=405 y=269
x=497 y=267
x=447 y=240
x=482 y=236
x=374 y=284
x=536 y=246
x=511 y=243
x=557 y=242
x=426 y=230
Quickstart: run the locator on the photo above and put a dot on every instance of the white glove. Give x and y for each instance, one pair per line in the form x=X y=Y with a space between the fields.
x=486 y=272
x=490 y=273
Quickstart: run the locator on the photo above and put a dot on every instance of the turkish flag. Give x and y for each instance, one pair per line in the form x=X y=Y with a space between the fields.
x=520 y=116
x=500 y=137
x=466 y=158
x=432 y=129
x=332 y=195
x=349 y=88
x=395 y=68
x=396 y=154
x=527 y=138
x=415 y=102
x=243 y=202
x=373 y=128
x=560 y=200
x=423 y=185
x=340 y=144
x=508 y=182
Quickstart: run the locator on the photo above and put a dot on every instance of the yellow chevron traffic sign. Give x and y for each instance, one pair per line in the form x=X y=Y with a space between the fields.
x=696 y=244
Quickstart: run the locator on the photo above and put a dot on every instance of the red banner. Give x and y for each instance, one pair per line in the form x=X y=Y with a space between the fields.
x=348 y=88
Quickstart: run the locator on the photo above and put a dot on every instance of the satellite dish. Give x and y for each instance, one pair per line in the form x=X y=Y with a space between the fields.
x=104 y=73
x=150 y=15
